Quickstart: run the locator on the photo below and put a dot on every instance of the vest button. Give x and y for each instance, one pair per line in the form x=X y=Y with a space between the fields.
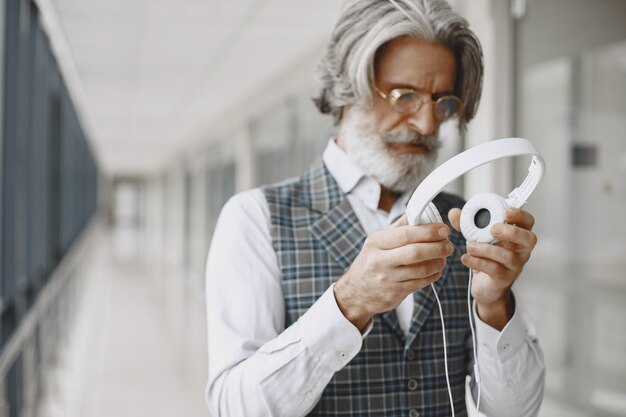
x=412 y=384
x=414 y=413
x=411 y=355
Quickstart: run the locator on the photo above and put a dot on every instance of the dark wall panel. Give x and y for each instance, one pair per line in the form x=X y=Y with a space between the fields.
x=48 y=191
x=49 y=174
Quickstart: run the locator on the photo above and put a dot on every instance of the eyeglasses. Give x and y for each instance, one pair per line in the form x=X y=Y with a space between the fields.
x=405 y=101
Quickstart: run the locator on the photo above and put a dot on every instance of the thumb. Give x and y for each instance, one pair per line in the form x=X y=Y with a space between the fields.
x=454 y=216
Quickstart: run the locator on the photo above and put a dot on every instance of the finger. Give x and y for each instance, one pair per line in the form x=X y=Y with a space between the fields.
x=413 y=285
x=505 y=257
x=415 y=253
x=419 y=271
x=519 y=217
x=454 y=215
x=489 y=267
x=405 y=235
x=514 y=234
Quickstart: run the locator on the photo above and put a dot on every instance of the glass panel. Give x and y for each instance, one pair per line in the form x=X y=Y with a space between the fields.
x=2 y=134
x=571 y=103
x=11 y=151
x=271 y=136
x=313 y=129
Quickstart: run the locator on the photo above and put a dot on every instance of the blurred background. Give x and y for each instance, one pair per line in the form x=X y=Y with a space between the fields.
x=125 y=126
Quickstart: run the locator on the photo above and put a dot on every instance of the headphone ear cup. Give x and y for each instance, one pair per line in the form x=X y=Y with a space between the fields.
x=479 y=214
x=430 y=215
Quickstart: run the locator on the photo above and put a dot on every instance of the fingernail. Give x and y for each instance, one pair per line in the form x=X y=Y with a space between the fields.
x=443 y=231
x=497 y=229
x=471 y=246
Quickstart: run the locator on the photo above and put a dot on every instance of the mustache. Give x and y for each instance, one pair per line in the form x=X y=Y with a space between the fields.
x=407 y=137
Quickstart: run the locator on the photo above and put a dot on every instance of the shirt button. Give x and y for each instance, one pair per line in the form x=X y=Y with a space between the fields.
x=343 y=355
x=414 y=413
x=505 y=347
x=509 y=383
x=412 y=384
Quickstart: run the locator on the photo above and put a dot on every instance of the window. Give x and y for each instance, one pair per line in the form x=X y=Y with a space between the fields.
x=571 y=103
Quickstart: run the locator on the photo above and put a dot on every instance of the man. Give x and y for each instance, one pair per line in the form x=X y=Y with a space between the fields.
x=318 y=302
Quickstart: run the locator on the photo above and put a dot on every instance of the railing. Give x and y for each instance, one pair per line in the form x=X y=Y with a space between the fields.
x=55 y=298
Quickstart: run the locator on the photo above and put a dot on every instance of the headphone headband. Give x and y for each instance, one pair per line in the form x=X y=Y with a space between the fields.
x=473 y=158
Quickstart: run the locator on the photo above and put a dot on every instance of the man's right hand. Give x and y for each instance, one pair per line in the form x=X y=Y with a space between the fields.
x=392 y=264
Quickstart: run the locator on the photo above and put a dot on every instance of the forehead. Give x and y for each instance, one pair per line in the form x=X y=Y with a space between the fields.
x=416 y=63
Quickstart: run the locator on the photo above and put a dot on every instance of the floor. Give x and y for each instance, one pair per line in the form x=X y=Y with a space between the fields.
x=131 y=349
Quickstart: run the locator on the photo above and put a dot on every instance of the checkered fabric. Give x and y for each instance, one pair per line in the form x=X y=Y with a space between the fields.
x=316 y=236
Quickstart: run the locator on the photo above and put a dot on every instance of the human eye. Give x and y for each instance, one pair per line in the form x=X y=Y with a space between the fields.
x=447 y=107
x=407 y=102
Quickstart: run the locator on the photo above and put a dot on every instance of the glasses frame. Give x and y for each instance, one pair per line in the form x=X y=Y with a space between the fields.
x=396 y=93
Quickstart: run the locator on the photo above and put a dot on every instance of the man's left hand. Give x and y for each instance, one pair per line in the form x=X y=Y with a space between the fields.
x=496 y=267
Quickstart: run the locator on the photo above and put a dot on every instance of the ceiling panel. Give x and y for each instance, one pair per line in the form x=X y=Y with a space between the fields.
x=155 y=72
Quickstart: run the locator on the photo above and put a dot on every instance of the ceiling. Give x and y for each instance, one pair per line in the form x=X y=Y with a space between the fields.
x=149 y=74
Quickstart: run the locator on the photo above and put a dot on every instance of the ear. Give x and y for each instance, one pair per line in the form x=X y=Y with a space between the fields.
x=340 y=142
x=344 y=110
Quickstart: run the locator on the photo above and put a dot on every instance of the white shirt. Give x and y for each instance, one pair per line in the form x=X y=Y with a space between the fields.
x=259 y=368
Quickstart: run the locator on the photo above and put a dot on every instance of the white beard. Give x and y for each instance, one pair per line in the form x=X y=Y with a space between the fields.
x=370 y=152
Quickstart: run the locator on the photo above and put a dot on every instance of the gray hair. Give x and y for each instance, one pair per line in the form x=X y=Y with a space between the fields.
x=346 y=72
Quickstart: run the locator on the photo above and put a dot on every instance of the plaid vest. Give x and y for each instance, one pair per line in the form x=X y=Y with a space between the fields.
x=317 y=236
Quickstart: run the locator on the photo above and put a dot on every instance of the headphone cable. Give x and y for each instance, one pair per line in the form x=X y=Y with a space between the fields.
x=445 y=349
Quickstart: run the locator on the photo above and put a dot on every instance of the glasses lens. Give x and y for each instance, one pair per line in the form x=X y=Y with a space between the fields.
x=447 y=107
x=407 y=102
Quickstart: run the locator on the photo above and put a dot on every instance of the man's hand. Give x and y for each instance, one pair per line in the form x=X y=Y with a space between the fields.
x=496 y=267
x=392 y=264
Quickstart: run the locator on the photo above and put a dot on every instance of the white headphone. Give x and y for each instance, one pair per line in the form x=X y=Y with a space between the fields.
x=478 y=215
x=483 y=210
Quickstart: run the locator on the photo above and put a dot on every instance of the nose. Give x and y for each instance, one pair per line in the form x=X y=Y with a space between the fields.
x=423 y=120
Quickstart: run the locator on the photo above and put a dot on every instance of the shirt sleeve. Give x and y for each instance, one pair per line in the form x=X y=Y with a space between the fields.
x=256 y=366
x=511 y=367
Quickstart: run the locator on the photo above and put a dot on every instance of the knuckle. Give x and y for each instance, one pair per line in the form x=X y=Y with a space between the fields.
x=498 y=271
x=405 y=234
x=409 y=255
x=434 y=277
x=420 y=271
x=380 y=278
x=372 y=263
x=533 y=239
x=431 y=268
x=427 y=270
x=509 y=257
x=436 y=265
x=416 y=254
x=507 y=274
x=479 y=262
x=442 y=264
